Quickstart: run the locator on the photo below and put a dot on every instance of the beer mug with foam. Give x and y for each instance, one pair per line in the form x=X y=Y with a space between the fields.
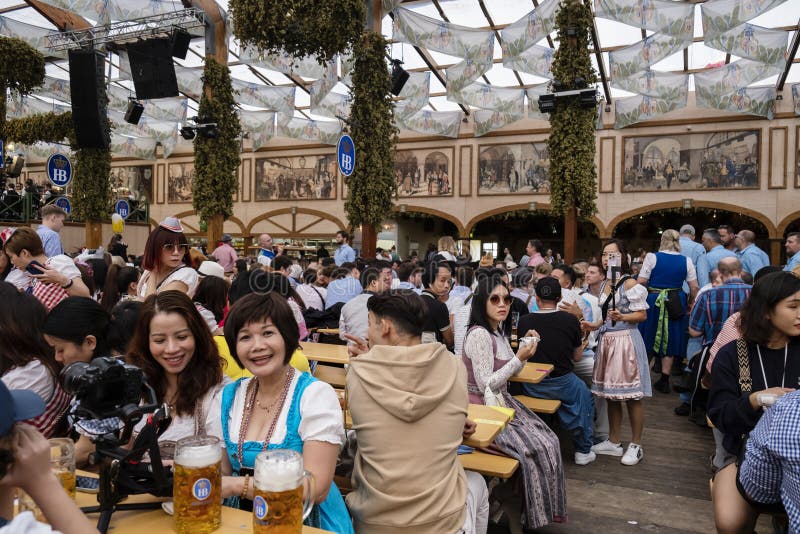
x=278 y=503
x=62 y=462
x=197 y=485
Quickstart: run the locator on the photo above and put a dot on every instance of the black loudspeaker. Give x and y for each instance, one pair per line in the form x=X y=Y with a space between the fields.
x=399 y=79
x=152 y=68
x=180 y=43
x=88 y=87
x=134 y=112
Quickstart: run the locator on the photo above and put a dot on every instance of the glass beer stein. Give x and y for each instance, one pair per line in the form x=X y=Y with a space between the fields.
x=62 y=462
x=197 y=485
x=278 y=503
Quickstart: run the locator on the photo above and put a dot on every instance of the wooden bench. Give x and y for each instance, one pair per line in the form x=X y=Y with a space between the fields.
x=487 y=464
x=334 y=376
x=539 y=405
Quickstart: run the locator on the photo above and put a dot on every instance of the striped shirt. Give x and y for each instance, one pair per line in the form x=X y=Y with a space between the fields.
x=771 y=468
x=713 y=307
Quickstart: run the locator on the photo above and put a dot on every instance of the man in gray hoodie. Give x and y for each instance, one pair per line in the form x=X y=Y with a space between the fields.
x=408 y=402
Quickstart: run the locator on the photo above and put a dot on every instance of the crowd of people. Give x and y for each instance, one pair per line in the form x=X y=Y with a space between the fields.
x=218 y=339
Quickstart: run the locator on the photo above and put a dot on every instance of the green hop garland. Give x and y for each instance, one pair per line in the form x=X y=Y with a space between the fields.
x=216 y=159
x=573 y=177
x=371 y=187
x=299 y=27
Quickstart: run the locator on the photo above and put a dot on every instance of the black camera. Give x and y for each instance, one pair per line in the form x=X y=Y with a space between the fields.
x=103 y=385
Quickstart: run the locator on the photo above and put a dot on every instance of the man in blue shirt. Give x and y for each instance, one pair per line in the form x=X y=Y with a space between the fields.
x=792 y=251
x=713 y=307
x=689 y=247
x=345 y=286
x=714 y=252
x=752 y=257
x=265 y=253
x=344 y=253
x=770 y=472
x=52 y=222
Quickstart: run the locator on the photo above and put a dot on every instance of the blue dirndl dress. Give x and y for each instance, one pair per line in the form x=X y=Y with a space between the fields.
x=332 y=513
x=664 y=336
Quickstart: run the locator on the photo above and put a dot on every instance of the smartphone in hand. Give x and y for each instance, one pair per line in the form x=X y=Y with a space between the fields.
x=32 y=268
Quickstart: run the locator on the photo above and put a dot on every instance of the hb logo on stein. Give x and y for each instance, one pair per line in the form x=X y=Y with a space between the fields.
x=260 y=507
x=201 y=489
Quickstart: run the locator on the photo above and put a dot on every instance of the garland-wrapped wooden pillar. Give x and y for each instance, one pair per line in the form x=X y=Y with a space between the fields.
x=571 y=144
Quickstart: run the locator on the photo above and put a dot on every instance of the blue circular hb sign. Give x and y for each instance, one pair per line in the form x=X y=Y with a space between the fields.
x=122 y=208
x=346 y=155
x=59 y=170
x=201 y=489
x=260 y=507
x=64 y=204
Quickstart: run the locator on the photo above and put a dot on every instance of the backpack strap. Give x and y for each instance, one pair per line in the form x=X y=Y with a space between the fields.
x=528 y=301
x=745 y=381
x=469 y=298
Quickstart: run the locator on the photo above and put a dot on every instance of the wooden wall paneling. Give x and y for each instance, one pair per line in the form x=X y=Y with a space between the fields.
x=607 y=166
x=160 y=185
x=246 y=184
x=465 y=171
x=777 y=162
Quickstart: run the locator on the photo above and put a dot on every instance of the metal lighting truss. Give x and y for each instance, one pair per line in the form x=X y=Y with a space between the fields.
x=131 y=30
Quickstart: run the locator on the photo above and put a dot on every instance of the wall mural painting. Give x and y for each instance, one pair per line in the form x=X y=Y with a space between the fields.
x=297 y=177
x=134 y=182
x=688 y=162
x=424 y=172
x=179 y=182
x=518 y=168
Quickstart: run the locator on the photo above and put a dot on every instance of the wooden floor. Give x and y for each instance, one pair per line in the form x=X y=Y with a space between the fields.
x=667 y=492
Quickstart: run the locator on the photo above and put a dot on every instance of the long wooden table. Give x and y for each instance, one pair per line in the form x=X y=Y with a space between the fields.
x=158 y=521
x=488 y=423
x=335 y=376
x=489 y=464
x=532 y=373
x=325 y=352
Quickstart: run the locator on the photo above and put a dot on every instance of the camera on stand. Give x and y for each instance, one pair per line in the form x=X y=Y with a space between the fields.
x=107 y=389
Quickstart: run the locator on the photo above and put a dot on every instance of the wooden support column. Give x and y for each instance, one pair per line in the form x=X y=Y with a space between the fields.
x=217 y=49
x=570 y=234
x=369 y=234
x=775 y=250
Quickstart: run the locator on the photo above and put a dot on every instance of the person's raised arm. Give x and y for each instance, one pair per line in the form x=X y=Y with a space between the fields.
x=31 y=472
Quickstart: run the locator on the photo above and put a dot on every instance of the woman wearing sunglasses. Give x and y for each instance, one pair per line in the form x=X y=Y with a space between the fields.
x=166 y=261
x=490 y=362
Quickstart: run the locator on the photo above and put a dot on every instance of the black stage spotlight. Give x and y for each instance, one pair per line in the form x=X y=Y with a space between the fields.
x=14 y=165
x=399 y=77
x=207 y=130
x=547 y=103
x=134 y=112
x=187 y=132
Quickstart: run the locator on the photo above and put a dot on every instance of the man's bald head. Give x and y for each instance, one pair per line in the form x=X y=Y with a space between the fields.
x=265 y=241
x=729 y=268
x=746 y=236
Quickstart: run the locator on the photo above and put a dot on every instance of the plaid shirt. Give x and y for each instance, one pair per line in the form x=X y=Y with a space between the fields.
x=714 y=306
x=771 y=468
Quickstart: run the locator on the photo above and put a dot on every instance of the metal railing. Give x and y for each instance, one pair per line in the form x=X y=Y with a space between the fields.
x=25 y=208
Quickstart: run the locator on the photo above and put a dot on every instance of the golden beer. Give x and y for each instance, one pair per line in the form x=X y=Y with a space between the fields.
x=279 y=506
x=278 y=512
x=67 y=479
x=197 y=485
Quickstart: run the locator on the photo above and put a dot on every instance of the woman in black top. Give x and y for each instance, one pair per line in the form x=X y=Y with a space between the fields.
x=770 y=325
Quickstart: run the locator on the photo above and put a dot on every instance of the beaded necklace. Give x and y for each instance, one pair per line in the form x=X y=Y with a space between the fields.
x=250 y=398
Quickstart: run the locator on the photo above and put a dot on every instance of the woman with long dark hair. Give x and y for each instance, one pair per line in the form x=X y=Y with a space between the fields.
x=749 y=374
x=174 y=348
x=621 y=373
x=26 y=360
x=166 y=261
x=120 y=285
x=490 y=362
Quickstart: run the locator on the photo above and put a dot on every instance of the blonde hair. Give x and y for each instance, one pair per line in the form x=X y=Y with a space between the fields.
x=670 y=240
x=447 y=244
x=544 y=269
